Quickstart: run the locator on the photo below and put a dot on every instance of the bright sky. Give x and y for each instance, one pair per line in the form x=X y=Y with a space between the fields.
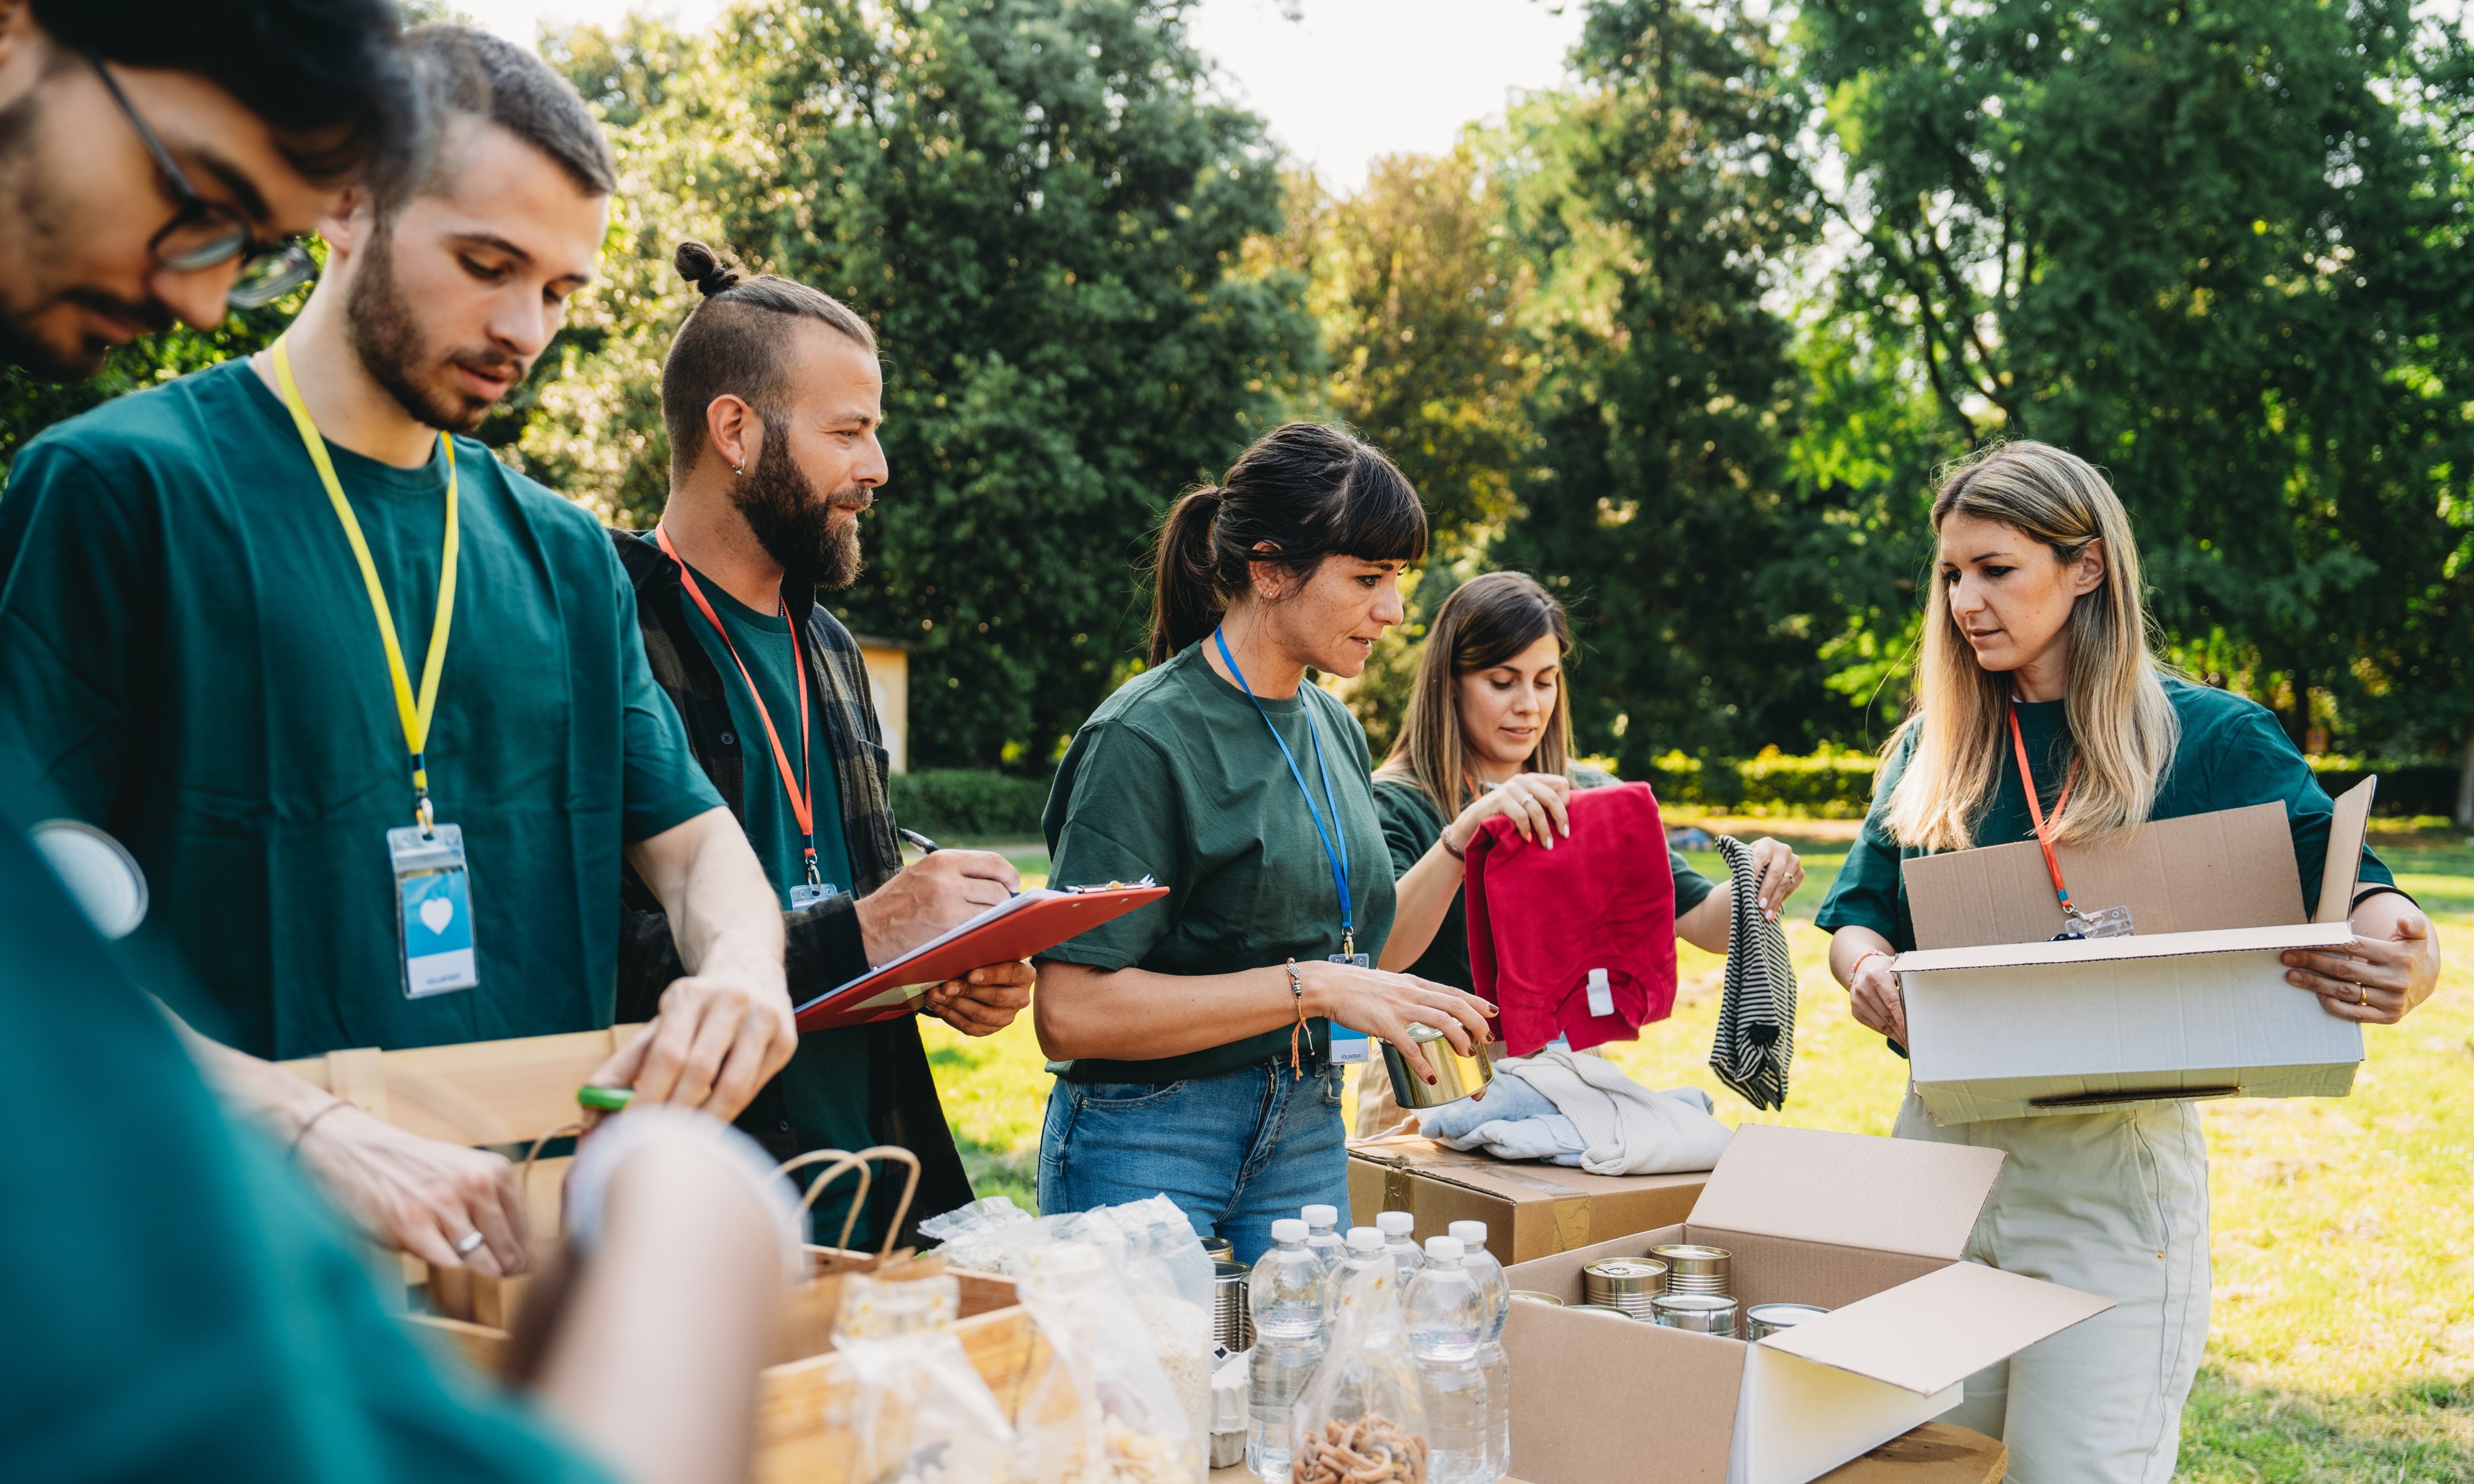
x=1350 y=80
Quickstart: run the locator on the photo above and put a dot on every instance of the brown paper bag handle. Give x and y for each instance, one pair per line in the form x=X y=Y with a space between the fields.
x=838 y=1161
x=525 y=1171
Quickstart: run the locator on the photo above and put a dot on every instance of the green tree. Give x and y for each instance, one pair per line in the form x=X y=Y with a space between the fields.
x=1665 y=200
x=2218 y=247
x=1044 y=216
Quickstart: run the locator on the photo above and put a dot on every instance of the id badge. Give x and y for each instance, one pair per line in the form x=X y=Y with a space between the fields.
x=1350 y=1047
x=806 y=893
x=433 y=910
x=2104 y=922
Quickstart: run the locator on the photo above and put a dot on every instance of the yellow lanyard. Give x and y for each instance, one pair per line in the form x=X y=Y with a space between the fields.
x=416 y=715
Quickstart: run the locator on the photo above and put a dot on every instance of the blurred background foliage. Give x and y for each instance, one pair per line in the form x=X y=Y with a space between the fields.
x=1687 y=337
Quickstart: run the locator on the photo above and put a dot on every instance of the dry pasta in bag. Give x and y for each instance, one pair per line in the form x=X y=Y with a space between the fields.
x=1360 y=1421
x=1103 y=1411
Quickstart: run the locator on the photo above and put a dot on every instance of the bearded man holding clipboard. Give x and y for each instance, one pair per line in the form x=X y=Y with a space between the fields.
x=772 y=397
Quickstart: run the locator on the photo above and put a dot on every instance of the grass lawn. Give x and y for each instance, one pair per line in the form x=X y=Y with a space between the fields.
x=2343 y=1343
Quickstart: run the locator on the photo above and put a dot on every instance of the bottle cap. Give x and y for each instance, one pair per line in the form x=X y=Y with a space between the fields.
x=1288 y=1229
x=1472 y=1233
x=1443 y=1248
x=1364 y=1239
x=1394 y=1223
x=1321 y=1215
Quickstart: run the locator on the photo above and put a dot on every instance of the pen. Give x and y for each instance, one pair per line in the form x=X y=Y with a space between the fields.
x=926 y=845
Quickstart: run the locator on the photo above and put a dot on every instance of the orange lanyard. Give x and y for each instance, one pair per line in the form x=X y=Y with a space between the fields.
x=2036 y=811
x=801 y=787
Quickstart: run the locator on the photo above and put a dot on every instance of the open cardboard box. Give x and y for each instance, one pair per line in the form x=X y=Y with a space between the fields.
x=2004 y=1023
x=1530 y=1210
x=1869 y=1227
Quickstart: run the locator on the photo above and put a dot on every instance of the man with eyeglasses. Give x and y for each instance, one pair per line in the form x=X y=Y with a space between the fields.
x=176 y=1306
x=368 y=706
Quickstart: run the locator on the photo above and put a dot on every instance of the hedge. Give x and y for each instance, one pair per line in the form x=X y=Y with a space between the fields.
x=1838 y=783
x=969 y=803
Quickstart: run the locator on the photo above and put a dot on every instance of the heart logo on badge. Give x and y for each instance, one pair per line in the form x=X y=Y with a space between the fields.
x=436 y=913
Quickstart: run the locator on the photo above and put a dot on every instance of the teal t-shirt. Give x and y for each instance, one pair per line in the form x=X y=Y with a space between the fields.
x=209 y=1320
x=188 y=661
x=825 y=1087
x=1175 y=776
x=2232 y=755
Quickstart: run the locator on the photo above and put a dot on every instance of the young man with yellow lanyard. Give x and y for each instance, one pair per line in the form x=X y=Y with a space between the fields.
x=367 y=706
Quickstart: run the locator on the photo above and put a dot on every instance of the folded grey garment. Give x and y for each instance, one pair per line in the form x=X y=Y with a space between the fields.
x=1506 y=1099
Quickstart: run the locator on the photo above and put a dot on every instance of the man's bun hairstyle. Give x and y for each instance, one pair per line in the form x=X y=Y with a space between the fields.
x=733 y=345
x=326 y=74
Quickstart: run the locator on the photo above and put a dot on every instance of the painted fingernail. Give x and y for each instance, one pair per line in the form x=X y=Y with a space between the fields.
x=1431 y=1079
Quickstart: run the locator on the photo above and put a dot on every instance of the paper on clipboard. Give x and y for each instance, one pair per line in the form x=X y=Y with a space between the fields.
x=1024 y=925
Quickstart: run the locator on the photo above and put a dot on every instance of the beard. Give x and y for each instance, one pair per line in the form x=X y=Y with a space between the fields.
x=795 y=524
x=388 y=341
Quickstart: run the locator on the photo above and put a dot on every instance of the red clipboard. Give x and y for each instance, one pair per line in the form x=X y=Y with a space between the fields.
x=1026 y=923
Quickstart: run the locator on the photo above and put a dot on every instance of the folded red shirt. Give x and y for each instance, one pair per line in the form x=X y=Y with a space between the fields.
x=1591 y=920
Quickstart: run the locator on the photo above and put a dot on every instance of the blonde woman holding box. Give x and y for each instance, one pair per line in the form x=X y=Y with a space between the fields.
x=2035 y=669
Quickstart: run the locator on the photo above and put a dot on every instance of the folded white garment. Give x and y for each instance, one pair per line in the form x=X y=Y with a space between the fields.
x=1625 y=1127
x=1550 y=1137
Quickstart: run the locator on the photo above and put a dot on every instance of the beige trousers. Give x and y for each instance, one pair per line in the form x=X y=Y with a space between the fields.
x=2116 y=1205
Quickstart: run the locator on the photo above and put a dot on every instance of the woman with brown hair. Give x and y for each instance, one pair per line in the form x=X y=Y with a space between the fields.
x=1490 y=731
x=2040 y=714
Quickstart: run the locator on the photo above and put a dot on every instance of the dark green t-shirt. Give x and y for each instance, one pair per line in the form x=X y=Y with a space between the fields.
x=2232 y=755
x=1176 y=777
x=188 y=661
x=824 y=1088
x=209 y=1319
x=1412 y=823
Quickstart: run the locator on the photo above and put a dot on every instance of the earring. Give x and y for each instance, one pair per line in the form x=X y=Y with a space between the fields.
x=739 y=468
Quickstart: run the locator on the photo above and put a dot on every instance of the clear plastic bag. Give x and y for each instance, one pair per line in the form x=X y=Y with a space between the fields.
x=1360 y=1421
x=921 y=1414
x=983 y=1236
x=1153 y=1249
x=875 y=1308
x=1102 y=1412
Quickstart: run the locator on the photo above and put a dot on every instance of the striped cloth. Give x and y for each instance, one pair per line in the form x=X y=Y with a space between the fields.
x=1757 y=1020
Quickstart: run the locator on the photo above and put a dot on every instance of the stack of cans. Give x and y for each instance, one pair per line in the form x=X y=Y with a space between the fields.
x=1695 y=1269
x=1624 y=1284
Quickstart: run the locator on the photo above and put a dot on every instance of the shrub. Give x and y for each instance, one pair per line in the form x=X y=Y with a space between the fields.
x=969 y=802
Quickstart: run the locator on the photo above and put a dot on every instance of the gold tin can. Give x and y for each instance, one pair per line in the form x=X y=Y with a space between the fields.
x=1456 y=1076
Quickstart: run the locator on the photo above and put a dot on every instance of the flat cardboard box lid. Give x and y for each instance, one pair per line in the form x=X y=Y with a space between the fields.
x=1900 y=1195
x=1938 y=1330
x=2115 y=950
x=2228 y=869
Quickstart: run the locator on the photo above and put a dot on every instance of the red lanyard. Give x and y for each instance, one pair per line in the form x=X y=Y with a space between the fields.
x=800 y=787
x=2036 y=811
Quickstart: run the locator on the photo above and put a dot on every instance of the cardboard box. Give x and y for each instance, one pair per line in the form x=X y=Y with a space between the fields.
x=2003 y=1023
x=1869 y=1227
x=1530 y=1210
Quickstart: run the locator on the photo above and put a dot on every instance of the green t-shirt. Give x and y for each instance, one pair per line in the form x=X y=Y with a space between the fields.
x=2232 y=755
x=242 y=1338
x=1176 y=777
x=825 y=1087
x=1412 y=823
x=188 y=661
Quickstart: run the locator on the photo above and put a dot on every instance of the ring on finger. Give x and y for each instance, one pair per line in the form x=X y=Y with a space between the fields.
x=469 y=1244
x=2362 y=995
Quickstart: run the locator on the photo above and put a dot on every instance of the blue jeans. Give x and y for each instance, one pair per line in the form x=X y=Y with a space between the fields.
x=1236 y=1152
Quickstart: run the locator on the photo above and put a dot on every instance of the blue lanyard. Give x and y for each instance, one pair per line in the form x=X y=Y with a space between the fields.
x=1337 y=854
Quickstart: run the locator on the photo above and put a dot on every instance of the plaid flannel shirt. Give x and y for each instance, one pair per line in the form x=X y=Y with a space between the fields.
x=823 y=943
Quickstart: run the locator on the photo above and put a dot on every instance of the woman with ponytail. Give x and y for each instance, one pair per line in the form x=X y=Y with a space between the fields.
x=1193 y=1037
x=2038 y=712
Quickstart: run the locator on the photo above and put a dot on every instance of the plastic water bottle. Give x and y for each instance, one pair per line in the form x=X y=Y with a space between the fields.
x=1286 y=1295
x=1322 y=1236
x=1446 y=1319
x=1365 y=1251
x=1396 y=1226
x=1496 y=1290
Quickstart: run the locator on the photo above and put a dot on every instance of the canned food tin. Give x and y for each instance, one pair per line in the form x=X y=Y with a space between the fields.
x=1232 y=1318
x=1456 y=1076
x=1534 y=1297
x=1701 y=1313
x=1767 y=1318
x=1627 y=1283
x=1695 y=1269
x=1219 y=1249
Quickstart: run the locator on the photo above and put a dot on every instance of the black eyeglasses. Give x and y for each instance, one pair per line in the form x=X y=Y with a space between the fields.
x=205 y=234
